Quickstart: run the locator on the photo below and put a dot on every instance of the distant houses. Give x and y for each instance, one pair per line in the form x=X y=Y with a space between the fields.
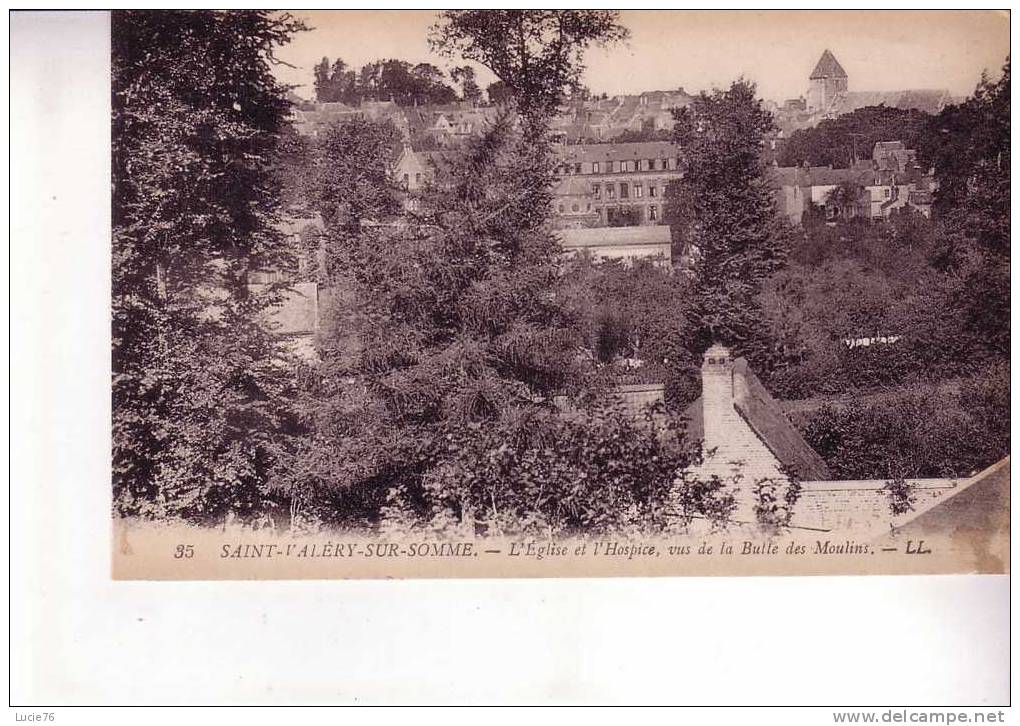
x=889 y=183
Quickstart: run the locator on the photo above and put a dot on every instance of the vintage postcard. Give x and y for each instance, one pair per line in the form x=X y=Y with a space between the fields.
x=535 y=293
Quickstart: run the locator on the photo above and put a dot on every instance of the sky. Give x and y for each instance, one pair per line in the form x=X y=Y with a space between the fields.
x=699 y=50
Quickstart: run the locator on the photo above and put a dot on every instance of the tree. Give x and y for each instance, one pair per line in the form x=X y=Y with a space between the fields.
x=972 y=166
x=465 y=76
x=343 y=82
x=498 y=93
x=845 y=199
x=323 y=81
x=197 y=384
x=352 y=176
x=842 y=140
x=454 y=325
x=723 y=215
x=538 y=54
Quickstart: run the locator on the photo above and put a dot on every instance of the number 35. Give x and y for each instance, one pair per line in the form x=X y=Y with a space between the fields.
x=184 y=551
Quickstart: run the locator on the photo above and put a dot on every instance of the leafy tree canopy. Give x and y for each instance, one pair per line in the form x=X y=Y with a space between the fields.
x=197 y=405
x=538 y=54
x=394 y=80
x=852 y=136
x=723 y=216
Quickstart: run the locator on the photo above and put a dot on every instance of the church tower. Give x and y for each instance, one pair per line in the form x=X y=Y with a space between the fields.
x=827 y=79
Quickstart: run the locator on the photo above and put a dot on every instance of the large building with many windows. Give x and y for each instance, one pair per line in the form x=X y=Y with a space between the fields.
x=605 y=185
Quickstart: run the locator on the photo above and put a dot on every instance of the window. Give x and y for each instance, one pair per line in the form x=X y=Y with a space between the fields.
x=407 y=180
x=887 y=192
x=596 y=191
x=651 y=190
x=595 y=167
x=624 y=190
x=665 y=164
x=609 y=167
x=651 y=165
x=638 y=191
x=577 y=168
x=589 y=206
x=652 y=213
x=562 y=209
x=575 y=207
x=417 y=178
x=610 y=191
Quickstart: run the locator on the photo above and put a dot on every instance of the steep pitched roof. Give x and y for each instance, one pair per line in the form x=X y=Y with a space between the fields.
x=981 y=504
x=766 y=418
x=828 y=67
x=618 y=152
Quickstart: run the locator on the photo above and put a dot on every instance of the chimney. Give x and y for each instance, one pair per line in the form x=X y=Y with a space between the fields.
x=718 y=413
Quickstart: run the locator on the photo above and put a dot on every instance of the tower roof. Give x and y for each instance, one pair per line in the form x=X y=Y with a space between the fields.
x=828 y=67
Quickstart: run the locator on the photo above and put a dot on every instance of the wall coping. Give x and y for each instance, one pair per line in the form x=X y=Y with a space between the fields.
x=851 y=485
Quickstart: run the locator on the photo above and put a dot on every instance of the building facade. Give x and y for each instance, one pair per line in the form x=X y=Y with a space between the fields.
x=889 y=183
x=614 y=184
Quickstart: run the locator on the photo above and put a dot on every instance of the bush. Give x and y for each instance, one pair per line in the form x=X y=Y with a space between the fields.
x=901 y=495
x=951 y=430
x=539 y=472
x=612 y=337
x=774 y=501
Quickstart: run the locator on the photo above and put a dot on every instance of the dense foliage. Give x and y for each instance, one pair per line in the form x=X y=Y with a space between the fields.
x=842 y=140
x=446 y=413
x=951 y=429
x=542 y=472
x=723 y=217
x=196 y=383
x=537 y=54
x=394 y=80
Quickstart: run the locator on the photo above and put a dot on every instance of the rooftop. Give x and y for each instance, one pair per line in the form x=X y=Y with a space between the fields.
x=616 y=152
x=648 y=234
x=828 y=67
x=768 y=421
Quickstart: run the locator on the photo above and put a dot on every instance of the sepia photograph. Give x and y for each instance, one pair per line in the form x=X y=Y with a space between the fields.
x=521 y=302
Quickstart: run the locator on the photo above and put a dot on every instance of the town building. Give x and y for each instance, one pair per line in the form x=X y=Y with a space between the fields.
x=619 y=243
x=745 y=435
x=889 y=183
x=826 y=81
x=597 y=120
x=614 y=184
